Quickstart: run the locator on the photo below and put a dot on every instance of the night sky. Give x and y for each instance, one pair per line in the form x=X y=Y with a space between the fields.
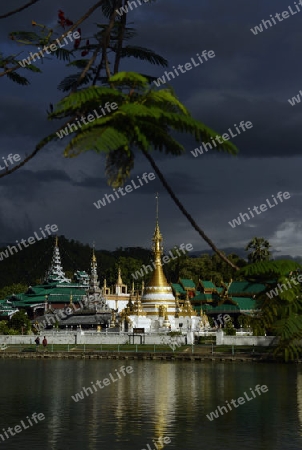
x=251 y=78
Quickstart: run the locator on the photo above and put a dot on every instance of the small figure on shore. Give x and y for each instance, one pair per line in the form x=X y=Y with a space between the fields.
x=44 y=342
x=37 y=341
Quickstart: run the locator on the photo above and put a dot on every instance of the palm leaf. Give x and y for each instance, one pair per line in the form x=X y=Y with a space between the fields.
x=69 y=82
x=143 y=54
x=86 y=99
x=14 y=76
x=63 y=54
x=99 y=140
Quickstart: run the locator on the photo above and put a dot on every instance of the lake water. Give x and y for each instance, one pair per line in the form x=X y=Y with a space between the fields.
x=158 y=399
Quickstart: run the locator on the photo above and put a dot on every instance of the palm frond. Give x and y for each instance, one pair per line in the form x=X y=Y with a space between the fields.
x=69 y=82
x=14 y=76
x=143 y=54
x=100 y=140
x=119 y=164
x=86 y=99
x=63 y=54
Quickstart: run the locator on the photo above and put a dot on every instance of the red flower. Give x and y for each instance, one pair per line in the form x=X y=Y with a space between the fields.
x=63 y=20
x=84 y=52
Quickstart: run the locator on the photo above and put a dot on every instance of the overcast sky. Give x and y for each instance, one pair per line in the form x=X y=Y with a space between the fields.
x=251 y=78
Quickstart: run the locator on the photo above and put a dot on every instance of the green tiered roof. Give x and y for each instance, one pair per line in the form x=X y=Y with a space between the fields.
x=208 y=285
x=178 y=288
x=246 y=303
x=55 y=294
x=189 y=284
x=240 y=298
x=204 y=297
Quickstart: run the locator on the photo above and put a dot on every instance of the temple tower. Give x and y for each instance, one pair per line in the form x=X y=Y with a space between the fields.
x=158 y=294
x=94 y=286
x=55 y=272
x=120 y=287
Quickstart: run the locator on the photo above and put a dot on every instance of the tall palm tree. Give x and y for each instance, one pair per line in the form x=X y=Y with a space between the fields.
x=260 y=251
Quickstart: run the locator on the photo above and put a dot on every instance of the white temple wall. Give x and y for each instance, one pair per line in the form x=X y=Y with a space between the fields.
x=97 y=338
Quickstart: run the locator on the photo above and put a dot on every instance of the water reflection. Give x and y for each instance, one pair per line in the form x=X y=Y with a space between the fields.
x=159 y=399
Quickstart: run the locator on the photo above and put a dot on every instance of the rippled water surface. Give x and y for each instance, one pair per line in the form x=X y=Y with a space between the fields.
x=158 y=399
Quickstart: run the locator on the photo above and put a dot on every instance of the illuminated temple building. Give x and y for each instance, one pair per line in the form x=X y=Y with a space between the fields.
x=158 y=306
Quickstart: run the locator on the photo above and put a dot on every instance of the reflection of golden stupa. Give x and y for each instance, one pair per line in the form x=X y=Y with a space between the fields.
x=158 y=292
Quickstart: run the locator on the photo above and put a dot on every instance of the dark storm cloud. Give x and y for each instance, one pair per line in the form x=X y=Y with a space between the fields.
x=42 y=176
x=18 y=117
x=250 y=78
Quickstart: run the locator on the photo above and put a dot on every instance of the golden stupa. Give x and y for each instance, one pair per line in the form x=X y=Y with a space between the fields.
x=158 y=293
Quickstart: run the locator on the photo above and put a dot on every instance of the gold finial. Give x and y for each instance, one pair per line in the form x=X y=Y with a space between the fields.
x=93 y=254
x=157 y=197
x=119 y=278
x=56 y=244
x=70 y=302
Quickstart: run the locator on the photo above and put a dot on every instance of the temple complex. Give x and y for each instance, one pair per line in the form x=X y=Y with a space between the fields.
x=158 y=306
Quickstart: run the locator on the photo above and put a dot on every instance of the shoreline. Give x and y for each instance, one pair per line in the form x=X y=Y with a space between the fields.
x=160 y=356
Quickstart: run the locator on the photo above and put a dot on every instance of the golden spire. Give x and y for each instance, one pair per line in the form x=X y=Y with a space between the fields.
x=56 y=244
x=93 y=255
x=119 y=278
x=70 y=302
x=158 y=278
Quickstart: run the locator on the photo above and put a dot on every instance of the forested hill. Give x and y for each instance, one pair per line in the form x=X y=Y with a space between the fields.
x=29 y=265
